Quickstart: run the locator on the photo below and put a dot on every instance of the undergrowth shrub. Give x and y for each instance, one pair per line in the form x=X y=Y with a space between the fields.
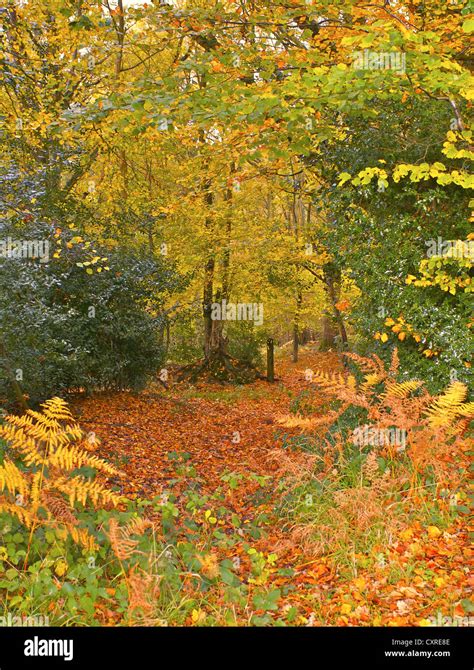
x=42 y=474
x=348 y=494
x=74 y=550
x=105 y=331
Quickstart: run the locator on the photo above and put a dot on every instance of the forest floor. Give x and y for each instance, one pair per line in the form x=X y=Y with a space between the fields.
x=222 y=427
x=212 y=437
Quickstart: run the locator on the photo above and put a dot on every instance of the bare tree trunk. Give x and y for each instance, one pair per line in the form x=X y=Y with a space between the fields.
x=296 y=326
x=118 y=19
x=208 y=287
x=270 y=361
x=328 y=333
x=333 y=288
x=215 y=344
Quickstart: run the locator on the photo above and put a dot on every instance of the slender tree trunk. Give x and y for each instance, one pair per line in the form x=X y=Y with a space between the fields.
x=215 y=344
x=270 y=361
x=296 y=326
x=334 y=298
x=328 y=333
x=119 y=25
x=208 y=286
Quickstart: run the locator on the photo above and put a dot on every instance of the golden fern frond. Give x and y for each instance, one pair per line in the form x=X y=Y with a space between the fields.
x=341 y=388
x=23 y=514
x=39 y=420
x=305 y=423
x=82 y=536
x=72 y=457
x=80 y=489
x=26 y=446
x=21 y=421
x=12 y=479
x=21 y=431
x=57 y=408
x=394 y=364
x=371 y=380
x=466 y=409
x=446 y=407
x=367 y=365
x=332 y=380
x=35 y=492
x=454 y=395
x=59 y=509
x=123 y=547
x=48 y=430
x=402 y=389
x=74 y=431
x=47 y=439
x=137 y=526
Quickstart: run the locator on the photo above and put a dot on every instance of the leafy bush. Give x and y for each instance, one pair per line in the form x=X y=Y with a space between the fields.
x=65 y=555
x=186 y=338
x=94 y=319
x=246 y=342
x=49 y=479
x=352 y=470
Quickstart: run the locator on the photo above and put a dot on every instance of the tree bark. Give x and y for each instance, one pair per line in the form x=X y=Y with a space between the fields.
x=270 y=361
x=296 y=326
x=328 y=333
x=333 y=289
x=215 y=344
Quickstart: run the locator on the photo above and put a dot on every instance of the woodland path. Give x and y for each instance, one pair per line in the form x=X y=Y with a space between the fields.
x=222 y=428
x=146 y=435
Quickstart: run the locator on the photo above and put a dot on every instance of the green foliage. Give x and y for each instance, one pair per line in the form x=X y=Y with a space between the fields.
x=185 y=552
x=186 y=338
x=83 y=319
x=246 y=342
x=380 y=234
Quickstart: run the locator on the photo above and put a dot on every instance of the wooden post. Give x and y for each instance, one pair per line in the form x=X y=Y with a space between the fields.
x=270 y=361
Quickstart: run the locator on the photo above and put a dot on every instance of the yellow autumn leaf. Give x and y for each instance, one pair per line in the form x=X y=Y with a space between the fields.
x=198 y=616
x=60 y=568
x=434 y=531
x=360 y=583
